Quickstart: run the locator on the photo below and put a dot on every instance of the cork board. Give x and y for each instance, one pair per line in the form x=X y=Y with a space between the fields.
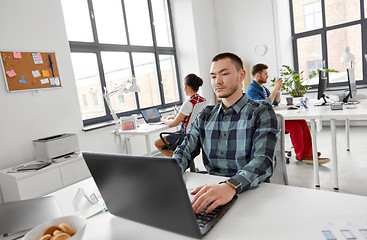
x=30 y=70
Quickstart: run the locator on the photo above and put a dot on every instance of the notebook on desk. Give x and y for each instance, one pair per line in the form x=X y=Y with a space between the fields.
x=151 y=115
x=148 y=190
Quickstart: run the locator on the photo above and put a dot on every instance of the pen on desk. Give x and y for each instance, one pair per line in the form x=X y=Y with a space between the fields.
x=52 y=68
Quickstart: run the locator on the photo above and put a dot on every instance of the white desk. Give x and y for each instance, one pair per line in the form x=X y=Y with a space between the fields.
x=269 y=212
x=311 y=114
x=325 y=113
x=143 y=130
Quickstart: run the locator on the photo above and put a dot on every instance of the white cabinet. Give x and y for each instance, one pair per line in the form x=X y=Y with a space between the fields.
x=31 y=184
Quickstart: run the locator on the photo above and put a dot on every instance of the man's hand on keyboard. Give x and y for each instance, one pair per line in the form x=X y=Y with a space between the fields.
x=217 y=194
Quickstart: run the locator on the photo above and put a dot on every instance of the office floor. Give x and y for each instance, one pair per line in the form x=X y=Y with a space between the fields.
x=352 y=165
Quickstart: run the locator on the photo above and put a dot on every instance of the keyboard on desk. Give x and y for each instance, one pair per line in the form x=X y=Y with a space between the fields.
x=207 y=220
x=204 y=218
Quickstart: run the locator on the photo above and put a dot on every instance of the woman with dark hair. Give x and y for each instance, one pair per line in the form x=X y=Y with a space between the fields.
x=191 y=87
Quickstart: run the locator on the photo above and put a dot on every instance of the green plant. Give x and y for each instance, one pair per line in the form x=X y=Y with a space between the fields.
x=293 y=82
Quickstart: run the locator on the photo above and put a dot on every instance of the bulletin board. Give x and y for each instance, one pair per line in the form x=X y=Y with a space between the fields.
x=30 y=70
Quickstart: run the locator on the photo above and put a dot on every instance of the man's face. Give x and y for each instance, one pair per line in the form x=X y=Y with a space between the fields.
x=225 y=77
x=262 y=77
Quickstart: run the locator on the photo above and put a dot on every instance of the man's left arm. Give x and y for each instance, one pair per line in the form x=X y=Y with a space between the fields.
x=264 y=139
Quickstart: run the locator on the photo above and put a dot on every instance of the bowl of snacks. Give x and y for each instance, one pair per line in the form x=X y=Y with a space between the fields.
x=68 y=227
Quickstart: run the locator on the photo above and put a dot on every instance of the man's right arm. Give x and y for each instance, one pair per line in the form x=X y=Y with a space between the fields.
x=275 y=94
x=189 y=148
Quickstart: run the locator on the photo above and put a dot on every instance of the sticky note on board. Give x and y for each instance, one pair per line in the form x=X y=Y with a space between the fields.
x=11 y=73
x=45 y=73
x=17 y=54
x=37 y=58
x=44 y=81
x=36 y=73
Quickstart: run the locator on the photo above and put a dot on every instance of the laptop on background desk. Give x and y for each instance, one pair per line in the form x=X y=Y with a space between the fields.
x=151 y=115
x=148 y=190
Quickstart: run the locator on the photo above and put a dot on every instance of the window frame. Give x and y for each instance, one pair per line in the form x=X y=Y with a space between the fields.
x=323 y=32
x=96 y=48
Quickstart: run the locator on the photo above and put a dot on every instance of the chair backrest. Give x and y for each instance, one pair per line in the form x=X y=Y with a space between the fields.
x=280 y=175
x=197 y=109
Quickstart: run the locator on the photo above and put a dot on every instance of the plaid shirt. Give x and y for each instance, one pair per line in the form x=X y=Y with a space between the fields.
x=238 y=142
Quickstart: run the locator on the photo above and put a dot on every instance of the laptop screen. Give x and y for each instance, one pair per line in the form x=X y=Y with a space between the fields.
x=151 y=115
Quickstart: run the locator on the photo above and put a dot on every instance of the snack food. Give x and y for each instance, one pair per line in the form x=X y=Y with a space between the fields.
x=61 y=232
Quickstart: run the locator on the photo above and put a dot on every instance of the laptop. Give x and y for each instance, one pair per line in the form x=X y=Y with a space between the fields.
x=21 y=216
x=148 y=190
x=151 y=115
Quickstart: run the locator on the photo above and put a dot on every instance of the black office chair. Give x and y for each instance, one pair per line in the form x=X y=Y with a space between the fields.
x=289 y=153
x=170 y=146
x=195 y=111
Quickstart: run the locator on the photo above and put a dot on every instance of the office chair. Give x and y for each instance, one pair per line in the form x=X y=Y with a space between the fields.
x=280 y=175
x=288 y=152
x=195 y=111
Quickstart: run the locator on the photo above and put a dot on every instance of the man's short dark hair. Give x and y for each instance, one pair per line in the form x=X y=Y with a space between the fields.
x=235 y=59
x=258 y=68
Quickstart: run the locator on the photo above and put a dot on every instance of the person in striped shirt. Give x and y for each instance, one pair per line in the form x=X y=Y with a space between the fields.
x=237 y=137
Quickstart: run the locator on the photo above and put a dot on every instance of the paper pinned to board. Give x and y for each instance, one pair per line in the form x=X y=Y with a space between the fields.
x=36 y=73
x=17 y=54
x=11 y=73
x=44 y=81
x=37 y=58
x=45 y=73
x=55 y=81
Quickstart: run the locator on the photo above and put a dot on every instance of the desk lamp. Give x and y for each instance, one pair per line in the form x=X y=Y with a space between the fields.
x=347 y=56
x=128 y=86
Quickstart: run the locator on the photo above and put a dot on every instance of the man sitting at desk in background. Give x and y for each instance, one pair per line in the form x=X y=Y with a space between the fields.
x=298 y=129
x=191 y=88
x=237 y=137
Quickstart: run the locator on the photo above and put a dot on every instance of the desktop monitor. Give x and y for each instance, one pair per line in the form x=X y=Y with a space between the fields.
x=352 y=87
x=322 y=87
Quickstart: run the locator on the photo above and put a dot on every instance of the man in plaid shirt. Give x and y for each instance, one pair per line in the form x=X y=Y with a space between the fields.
x=237 y=137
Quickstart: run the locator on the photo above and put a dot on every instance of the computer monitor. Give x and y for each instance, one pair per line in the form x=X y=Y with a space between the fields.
x=352 y=87
x=322 y=87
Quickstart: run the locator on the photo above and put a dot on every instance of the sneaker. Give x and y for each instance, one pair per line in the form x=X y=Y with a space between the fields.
x=318 y=154
x=309 y=160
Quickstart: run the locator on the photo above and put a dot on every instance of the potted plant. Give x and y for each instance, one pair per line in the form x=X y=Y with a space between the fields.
x=294 y=83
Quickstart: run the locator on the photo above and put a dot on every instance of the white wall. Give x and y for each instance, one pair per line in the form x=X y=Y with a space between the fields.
x=196 y=40
x=25 y=117
x=243 y=24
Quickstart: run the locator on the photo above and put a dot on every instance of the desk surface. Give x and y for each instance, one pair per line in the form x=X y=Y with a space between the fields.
x=144 y=129
x=269 y=212
x=358 y=111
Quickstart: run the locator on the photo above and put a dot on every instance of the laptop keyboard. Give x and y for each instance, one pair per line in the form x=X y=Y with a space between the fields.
x=204 y=218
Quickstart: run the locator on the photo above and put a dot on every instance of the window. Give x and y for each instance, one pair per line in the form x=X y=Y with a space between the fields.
x=312 y=15
x=114 y=40
x=320 y=32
